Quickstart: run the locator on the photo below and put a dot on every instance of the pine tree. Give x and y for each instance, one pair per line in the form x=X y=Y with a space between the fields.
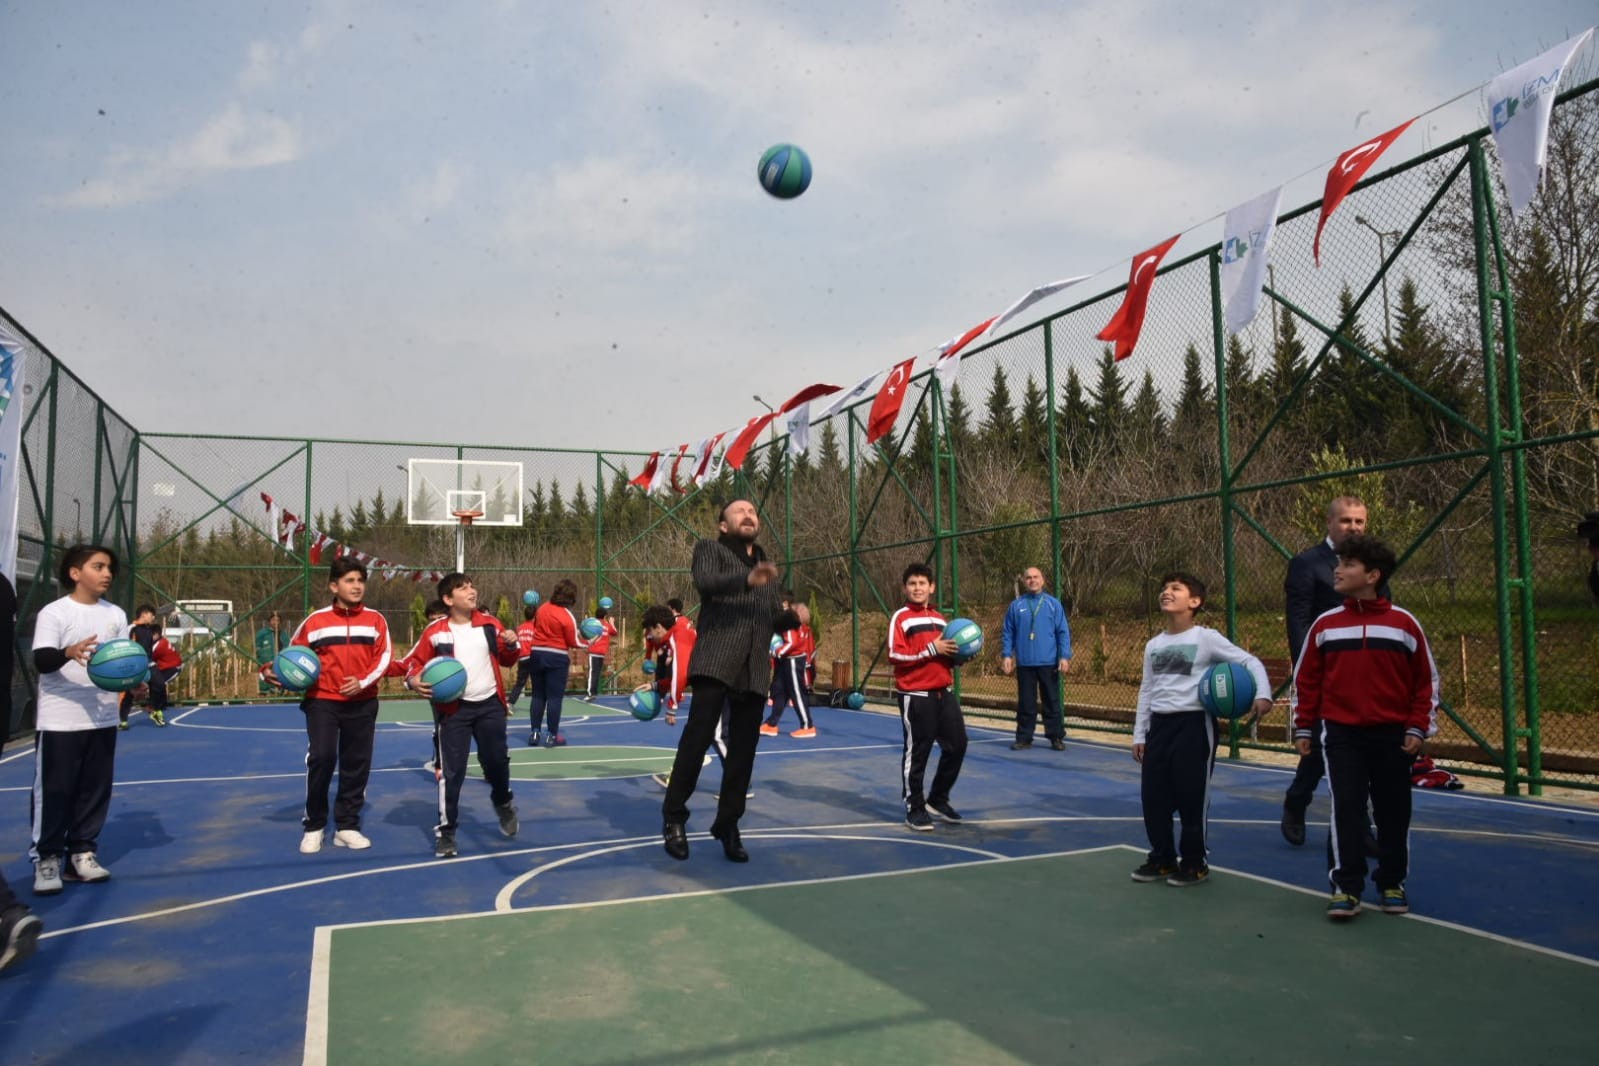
x=831 y=461
x=1108 y=402
x=999 y=421
x=1034 y=424
x=1287 y=358
x=1074 y=421
x=1146 y=420
x=960 y=420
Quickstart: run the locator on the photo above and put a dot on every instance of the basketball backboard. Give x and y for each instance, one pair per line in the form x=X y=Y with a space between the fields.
x=438 y=488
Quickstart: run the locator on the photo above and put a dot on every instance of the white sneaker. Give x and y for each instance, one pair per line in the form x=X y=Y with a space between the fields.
x=350 y=838
x=664 y=780
x=311 y=843
x=85 y=867
x=47 y=875
x=429 y=766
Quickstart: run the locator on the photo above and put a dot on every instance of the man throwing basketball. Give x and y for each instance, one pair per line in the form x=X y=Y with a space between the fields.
x=740 y=610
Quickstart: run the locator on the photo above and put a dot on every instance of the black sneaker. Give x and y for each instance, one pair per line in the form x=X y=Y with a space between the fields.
x=919 y=821
x=508 y=823
x=19 y=936
x=1058 y=743
x=943 y=811
x=1153 y=871
x=1293 y=826
x=1189 y=878
x=444 y=846
x=1021 y=745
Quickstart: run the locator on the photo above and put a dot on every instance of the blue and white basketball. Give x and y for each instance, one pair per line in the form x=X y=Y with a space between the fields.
x=968 y=638
x=1227 y=690
x=590 y=628
x=531 y=597
x=644 y=703
x=118 y=665
x=785 y=171
x=447 y=675
x=777 y=642
x=649 y=666
x=606 y=603
x=297 y=668
x=855 y=700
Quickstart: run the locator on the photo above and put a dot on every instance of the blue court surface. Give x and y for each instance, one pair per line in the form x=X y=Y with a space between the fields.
x=216 y=940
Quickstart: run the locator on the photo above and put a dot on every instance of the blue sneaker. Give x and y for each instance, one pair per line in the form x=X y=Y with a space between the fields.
x=1342 y=907
x=1394 y=901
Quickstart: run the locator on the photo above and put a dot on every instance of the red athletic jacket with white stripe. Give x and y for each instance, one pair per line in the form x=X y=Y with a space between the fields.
x=917 y=665
x=555 y=629
x=1366 y=663
x=524 y=640
x=350 y=644
x=797 y=641
x=437 y=639
x=680 y=649
x=601 y=645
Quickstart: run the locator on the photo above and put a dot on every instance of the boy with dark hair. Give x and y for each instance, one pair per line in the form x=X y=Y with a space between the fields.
x=599 y=648
x=1174 y=737
x=928 y=711
x=482 y=645
x=164 y=664
x=341 y=710
x=1366 y=685
x=524 y=659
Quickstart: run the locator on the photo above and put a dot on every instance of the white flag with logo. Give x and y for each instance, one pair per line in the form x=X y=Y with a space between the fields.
x=1519 y=102
x=844 y=399
x=799 y=431
x=13 y=363
x=1245 y=254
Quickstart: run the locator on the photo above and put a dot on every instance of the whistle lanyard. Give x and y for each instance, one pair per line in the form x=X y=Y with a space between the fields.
x=1032 y=622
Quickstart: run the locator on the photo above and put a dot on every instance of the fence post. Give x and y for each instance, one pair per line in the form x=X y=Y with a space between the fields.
x=1218 y=340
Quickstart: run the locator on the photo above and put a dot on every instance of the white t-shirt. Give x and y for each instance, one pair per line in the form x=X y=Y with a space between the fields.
x=68 y=700
x=473 y=651
x=1173 y=666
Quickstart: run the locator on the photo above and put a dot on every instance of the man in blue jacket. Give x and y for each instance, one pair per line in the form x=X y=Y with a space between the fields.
x=1038 y=647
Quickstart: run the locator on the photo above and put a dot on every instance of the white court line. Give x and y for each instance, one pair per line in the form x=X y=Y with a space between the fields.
x=502 y=901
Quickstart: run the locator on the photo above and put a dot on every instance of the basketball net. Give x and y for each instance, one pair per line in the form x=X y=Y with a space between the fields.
x=466 y=518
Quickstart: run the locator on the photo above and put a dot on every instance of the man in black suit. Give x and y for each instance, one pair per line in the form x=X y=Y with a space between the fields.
x=1309 y=592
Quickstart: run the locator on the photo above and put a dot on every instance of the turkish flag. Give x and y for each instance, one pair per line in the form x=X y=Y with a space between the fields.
x=890 y=398
x=1346 y=171
x=1128 y=321
x=677 y=459
x=806 y=395
x=746 y=440
x=648 y=473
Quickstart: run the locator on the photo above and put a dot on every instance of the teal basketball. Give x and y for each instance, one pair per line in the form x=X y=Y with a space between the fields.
x=649 y=666
x=855 y=700
x=785 y=171
x=644 y=703
x=1227 y=690
x=590 y=628
x=531 y=597
x=118 y=665
x=447 y=676
x=606 y=603
x=777 y=642
x=968 y=638
x=297 y=668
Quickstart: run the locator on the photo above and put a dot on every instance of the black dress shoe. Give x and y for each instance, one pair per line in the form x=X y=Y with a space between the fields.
x=1294 y=827
x=732 y=847
x=676 y=841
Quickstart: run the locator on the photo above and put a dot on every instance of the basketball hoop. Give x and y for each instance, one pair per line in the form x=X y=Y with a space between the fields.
x=466 y=518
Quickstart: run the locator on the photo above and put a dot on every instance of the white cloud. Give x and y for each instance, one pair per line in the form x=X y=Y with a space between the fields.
x=602 y=205
x=234 y=139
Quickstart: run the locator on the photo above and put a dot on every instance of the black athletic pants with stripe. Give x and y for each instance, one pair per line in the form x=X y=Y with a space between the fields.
x=1367 y=761
x=340 y=736
x=742 y=732
x=72 y=775
x=482 y=721
x=1179 y=755
x=596 y=675
x=925 y=718
x=788 y=686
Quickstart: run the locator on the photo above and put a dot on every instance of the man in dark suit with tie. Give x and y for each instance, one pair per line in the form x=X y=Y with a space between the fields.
x=1309 y=592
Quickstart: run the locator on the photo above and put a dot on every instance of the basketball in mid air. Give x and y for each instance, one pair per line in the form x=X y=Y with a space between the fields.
x=785 y=171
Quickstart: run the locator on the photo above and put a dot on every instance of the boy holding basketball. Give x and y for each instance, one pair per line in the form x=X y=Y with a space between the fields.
x=928 y=711
x=1174 y=737
x=482 y=645
x=165 y=663
x=1367 y=685
x=341 y=710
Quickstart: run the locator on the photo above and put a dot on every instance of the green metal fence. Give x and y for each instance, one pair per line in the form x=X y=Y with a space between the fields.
x=1441 y=365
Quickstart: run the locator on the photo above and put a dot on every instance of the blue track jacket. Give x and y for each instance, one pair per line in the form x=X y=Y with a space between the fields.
x=1036 y=633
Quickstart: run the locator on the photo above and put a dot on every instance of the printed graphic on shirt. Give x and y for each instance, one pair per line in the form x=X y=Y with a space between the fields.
x=1173 y=659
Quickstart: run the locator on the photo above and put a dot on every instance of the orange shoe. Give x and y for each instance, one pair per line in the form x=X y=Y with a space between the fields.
x=803 y=734
x=768 y=730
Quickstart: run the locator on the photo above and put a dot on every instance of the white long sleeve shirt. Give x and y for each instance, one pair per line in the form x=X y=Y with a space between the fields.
x=1174 y=663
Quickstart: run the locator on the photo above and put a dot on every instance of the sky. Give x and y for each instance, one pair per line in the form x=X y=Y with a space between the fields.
x=539 y=223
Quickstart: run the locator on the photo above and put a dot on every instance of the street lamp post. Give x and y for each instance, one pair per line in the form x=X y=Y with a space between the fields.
x=1382 y=259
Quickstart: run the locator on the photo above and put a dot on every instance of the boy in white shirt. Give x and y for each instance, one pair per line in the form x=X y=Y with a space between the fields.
x=1174 y=737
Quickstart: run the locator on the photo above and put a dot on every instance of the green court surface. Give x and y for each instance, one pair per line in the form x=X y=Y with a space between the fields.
x=1053 y=959
x=419 y=710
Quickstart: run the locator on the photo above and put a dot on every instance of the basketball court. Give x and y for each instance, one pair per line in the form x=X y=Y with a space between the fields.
x=1014 y=937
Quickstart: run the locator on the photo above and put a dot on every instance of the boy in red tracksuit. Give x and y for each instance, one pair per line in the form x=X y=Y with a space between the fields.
x=790 y=675
x=482 y=645
x=341 y=710
x=674 y=640
x=1367 y=685
x=599 y=648
x=165 y=662
x=923 y=675
x=524 y=652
